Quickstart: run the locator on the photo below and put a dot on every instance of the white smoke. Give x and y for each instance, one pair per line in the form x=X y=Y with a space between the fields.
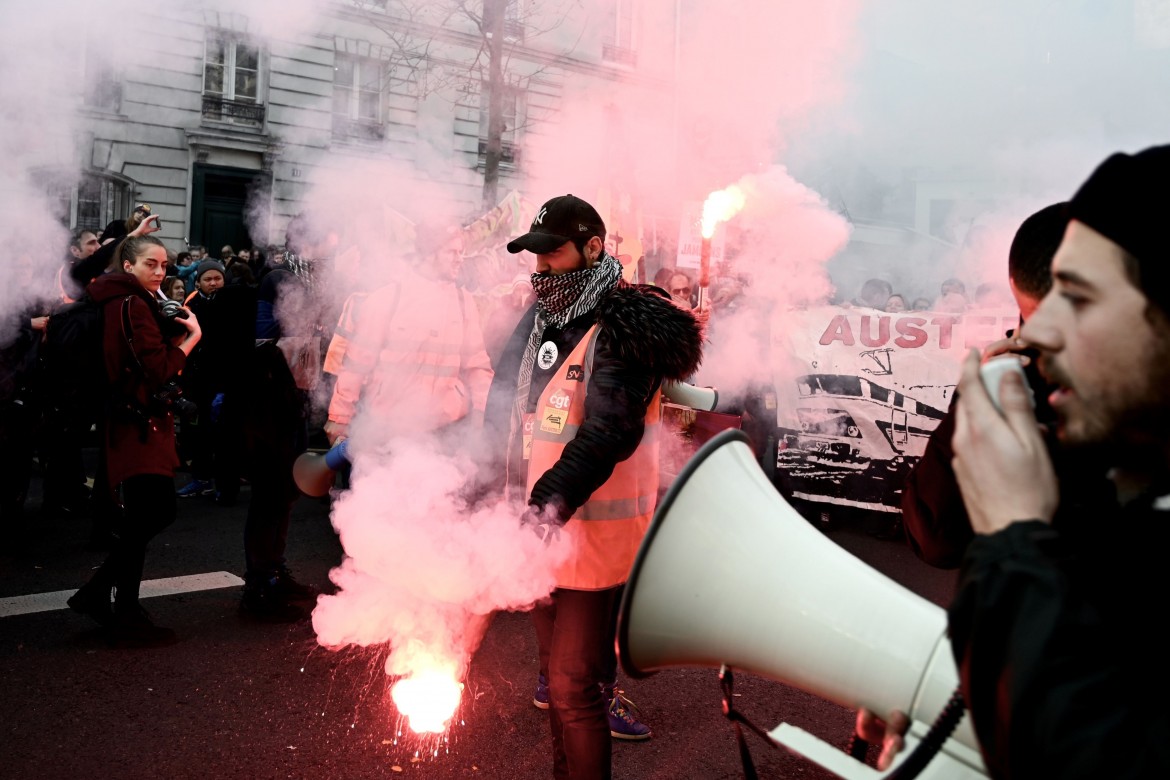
x=422 y=572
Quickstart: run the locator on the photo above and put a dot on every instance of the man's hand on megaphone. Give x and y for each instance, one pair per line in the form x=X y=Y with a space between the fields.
x=1001 y=462
x=335 y=431
x=888 y=733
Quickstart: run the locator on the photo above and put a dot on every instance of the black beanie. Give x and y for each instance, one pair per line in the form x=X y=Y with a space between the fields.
x=1127 y=200
x=210 y=265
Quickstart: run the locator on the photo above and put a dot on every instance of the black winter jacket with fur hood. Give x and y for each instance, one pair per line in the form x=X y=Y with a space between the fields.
x=643 y=339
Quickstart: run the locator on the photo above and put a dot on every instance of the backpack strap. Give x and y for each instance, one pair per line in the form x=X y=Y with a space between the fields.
x=128 y=332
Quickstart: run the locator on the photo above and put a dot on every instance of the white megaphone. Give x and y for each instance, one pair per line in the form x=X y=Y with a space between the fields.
x=730 y=574
x=705 y=399
x=315 y=472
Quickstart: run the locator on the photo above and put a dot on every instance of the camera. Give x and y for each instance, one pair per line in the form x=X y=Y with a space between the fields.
x=144 y=210
x=170 y=399
x=173 y=310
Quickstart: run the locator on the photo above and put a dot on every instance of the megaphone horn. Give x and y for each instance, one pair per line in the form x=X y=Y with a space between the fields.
x=705 y=399
x=315 y=472
x=730 y=574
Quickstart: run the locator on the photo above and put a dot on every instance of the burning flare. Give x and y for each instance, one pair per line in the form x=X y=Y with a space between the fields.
x=428 y=700
x=720 y=206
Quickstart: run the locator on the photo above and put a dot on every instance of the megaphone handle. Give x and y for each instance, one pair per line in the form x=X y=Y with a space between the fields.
x=338 y=455
x=727 y=683
x=942 y=728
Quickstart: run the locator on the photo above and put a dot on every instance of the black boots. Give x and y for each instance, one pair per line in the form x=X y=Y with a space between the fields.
x=95 y=601
x=270 y=597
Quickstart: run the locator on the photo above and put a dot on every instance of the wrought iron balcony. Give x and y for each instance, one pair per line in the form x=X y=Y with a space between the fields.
x=239 y=111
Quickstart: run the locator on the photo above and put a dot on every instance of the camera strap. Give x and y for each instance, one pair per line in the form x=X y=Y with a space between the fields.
x=127 y=402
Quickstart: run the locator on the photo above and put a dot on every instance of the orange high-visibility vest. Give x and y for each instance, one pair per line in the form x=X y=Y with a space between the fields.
x=608 y=529
x=416 y=361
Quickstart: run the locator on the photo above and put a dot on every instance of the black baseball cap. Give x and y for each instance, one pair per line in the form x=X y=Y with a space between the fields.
x=564 y=218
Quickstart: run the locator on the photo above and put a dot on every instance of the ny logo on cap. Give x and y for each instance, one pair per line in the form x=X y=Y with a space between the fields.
x=539 y=218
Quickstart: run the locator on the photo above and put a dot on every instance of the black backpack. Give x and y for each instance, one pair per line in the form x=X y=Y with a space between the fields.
x=73 y=367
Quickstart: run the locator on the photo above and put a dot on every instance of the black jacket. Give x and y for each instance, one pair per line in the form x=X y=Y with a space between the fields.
x=221 y=358
x=81 y=272
x=19 y=349
x=1059 y=646
x=643 y=339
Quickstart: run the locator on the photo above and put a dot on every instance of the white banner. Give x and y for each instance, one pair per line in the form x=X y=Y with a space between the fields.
x=859 y=392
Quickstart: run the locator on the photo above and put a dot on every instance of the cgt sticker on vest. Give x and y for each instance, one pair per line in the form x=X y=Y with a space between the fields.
x=552 y=420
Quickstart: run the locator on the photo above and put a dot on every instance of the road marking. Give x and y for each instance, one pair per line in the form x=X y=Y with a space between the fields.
x=167 y=586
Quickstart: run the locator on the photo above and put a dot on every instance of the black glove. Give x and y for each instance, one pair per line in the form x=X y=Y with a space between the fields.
x=538 y=520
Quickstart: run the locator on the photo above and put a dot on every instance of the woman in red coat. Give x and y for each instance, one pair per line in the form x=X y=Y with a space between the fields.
x=141 y=366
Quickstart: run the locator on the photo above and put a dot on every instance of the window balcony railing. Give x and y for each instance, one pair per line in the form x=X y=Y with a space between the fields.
x=509 y=154
x=513 y=30
x=239 y=111
x=345 y=128
x=619 y=55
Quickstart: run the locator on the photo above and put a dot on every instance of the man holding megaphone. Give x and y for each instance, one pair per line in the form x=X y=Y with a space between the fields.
x=1060 y=663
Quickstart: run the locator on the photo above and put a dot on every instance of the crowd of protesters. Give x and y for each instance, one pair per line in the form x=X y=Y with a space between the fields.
x=255 y=386
x=217 y=370
x=193 y=381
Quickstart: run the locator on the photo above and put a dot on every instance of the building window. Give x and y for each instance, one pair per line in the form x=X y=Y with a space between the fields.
x=231 y=81
x=512 y=102
x=617 y=46
x=513 y=18
x=358 y=97
x=91 y=202
x=101 y=84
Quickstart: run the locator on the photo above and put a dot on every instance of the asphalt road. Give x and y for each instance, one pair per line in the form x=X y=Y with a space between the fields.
x=238 y=699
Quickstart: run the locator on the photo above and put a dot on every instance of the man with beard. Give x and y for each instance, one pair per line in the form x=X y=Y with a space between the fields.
x=1059 y=656
x=575 y=405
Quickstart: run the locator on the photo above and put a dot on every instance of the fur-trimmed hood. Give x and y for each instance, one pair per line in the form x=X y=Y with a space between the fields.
x=648 y=329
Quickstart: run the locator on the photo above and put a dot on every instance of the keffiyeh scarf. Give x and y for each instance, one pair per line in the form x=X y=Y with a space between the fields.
x=560 y=298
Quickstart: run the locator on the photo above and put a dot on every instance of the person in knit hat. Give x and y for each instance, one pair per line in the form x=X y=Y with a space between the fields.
x=1056 y=646
x=214 y=371
x=210 y=266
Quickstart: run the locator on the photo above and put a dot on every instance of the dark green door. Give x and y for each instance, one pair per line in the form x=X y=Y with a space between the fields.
x=219 y=198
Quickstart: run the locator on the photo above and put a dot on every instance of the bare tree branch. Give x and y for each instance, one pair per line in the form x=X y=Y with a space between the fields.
x=415 y=29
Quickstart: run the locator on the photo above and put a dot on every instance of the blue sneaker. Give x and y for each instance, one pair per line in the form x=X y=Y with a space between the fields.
x=540 y=696
x=623 y=718
x=196 y=487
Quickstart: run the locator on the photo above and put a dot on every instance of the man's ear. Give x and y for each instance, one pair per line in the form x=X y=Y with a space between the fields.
x=593 y=250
